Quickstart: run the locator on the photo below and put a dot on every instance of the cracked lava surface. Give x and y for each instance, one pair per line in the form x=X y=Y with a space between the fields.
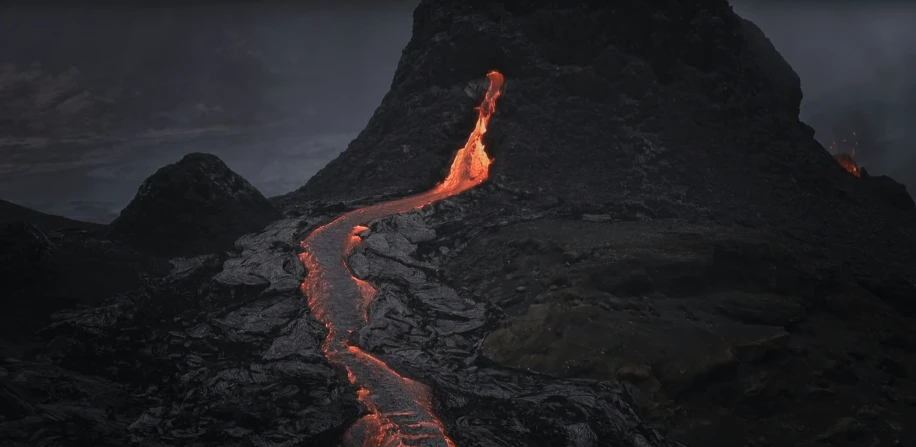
x=399 y=410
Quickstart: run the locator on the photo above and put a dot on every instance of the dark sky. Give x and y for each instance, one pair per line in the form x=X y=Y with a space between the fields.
x=834 y=43
x=343 y=60
x=337 y=64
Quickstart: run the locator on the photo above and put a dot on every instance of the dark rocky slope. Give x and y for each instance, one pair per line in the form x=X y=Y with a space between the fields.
x=197 y=205
x=682 y=109
x=895 y=195
x=45 y=268
x=122 y=73
x=711 y=328
x=733 y=276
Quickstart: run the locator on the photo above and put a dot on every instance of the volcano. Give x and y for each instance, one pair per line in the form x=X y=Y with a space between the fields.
x=640 y=244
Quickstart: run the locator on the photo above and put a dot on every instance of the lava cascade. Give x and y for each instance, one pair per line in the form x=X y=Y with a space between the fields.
x=399 y=411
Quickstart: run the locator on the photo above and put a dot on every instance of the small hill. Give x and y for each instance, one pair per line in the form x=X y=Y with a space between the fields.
x=679 y=110
x=197 y=205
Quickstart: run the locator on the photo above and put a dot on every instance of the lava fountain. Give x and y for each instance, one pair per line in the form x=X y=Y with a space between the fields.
x=399 y=410
x=848 y=163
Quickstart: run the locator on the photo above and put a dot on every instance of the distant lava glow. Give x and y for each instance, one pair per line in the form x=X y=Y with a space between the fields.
x=847 y=144
x=399 y=410
x=848 y=163
x=846 y=159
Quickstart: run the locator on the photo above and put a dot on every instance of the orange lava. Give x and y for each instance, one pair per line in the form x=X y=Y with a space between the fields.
x=848 y=163
x=844 y=152
x=399 y=410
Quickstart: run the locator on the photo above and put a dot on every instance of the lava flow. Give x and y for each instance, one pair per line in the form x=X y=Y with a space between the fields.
x=399 y=410
x=845 y=154
x=848 y=163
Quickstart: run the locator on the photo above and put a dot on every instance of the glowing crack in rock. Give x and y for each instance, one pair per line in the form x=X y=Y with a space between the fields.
x=399 y=410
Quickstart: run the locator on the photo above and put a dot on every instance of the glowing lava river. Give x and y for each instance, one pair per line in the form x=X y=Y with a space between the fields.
x=399 y=410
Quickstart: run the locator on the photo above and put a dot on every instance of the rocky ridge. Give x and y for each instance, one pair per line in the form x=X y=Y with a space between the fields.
x=678 y=110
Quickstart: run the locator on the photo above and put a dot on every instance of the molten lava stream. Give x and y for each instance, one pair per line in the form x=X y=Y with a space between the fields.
x=399 y=410
x=848 y=163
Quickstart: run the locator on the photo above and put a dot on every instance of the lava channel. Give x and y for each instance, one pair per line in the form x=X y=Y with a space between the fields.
x=399 y=410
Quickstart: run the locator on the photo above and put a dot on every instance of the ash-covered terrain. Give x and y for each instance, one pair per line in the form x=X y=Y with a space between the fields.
x=663 y=256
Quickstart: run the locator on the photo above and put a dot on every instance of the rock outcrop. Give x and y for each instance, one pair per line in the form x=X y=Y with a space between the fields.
x=197 y=205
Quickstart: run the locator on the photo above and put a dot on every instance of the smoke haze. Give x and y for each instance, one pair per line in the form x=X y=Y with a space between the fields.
x=857 y=63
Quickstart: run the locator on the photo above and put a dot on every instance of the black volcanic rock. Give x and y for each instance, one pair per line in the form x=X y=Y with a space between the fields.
x=895 y=193
x=12 y=213
x=906 y=174
x=197 y=205
x=872 y=115
x=604 y=94
x=21 y=245
x=44 y=271
x=711 y=328
x=730 y=284
x=118 y=73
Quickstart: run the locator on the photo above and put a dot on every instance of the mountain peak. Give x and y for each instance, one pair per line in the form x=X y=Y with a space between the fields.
x=595 y=91
x=193 y=206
